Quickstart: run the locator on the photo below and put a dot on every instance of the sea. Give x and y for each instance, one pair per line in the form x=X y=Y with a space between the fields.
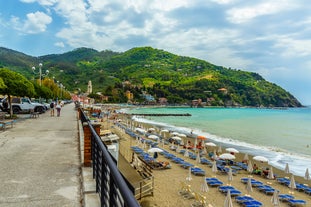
x=281 y=135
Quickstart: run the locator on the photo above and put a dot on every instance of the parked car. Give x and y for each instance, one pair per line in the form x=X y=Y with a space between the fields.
x=22 y=105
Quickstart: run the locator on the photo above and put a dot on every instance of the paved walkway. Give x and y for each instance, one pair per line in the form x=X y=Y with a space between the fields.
x=40 y=162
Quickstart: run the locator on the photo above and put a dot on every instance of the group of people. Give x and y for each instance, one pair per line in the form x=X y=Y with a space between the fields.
x=57 y=106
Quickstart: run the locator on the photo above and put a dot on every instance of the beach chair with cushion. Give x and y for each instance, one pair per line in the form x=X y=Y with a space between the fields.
x=285 y=197
x=242 y=199
x=213 y=182
x=283 y=181
x=308 y=191
x=224 y=189
x=253 y=203
x=197 y=171
x=301 y=187
x=297 y=202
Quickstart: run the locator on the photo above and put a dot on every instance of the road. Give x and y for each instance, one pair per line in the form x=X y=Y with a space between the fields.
x=40 y=162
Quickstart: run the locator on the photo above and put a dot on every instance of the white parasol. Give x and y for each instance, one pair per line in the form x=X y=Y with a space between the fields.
x=176 y=138
x=214 y=167
x=204 y=186
x=250 y=167
x=154 y=137
x=211 y=144
x=307 y=175
x=186 y=154
x=233 y=150
x=181 y=135
x=292 y=183
x=228 y=200
x=249 y=187
x=151 y=129
x=275 y=198
x=189 y=178
x=246 y=157
x=198 y=159
x=219 y=150
x=155 y=149
x=230 y=176
x=174 y=133
x=260 y=158
x=270 y=174
x=227 y=156
x=286 y=170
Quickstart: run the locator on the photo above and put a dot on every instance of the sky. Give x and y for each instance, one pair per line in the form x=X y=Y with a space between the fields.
x=269 y=37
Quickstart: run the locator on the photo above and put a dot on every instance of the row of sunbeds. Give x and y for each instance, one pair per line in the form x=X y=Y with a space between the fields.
x=269 y=190
x=299 y=186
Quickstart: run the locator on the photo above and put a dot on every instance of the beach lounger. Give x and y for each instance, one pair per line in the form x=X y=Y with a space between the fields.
x=242 y=199
x=253 y=203
x=308 y=191
x=186 y=165
x=301 y=187
x=285 y=197
x=225 y=188
x=197 y=171
x=296 y=202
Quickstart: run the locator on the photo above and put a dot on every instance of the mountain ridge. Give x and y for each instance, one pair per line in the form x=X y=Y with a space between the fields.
x=179 y=79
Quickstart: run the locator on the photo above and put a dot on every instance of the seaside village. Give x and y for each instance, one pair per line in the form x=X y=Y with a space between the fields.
x=173 y=168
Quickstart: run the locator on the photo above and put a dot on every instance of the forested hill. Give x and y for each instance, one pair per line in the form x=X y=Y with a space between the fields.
x=156 y=72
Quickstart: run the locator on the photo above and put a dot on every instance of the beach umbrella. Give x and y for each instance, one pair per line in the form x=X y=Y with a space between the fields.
x=186 y=154
x=286 y=170
x=307 y=175
x=250 y=167
x=164 y=131
x=227 y=156
x=292 y=183
x=211 y=144
x=154 y=137
x=260 y=158
x=270 y=174
x=219 y=150
x=275 y=198
x=228 y=200
x=189 y=178
x=232 y=150
x=204 y=150
x=204 y=186
x=198 y=159
x=245 y=158
x=155 y=149
x=230 y=176
x=214 y=167
x=151 y=129
x=178 y=149
x=174 y=133
x=249 y=187
x=182 y=135
x=176 y=138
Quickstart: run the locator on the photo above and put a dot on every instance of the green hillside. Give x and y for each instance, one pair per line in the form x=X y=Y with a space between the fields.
x=156 y=72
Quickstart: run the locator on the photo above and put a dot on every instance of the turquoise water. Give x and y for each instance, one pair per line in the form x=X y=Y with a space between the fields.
x=282 y=135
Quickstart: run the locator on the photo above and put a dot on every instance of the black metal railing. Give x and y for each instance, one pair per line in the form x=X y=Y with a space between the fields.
x=112 y=188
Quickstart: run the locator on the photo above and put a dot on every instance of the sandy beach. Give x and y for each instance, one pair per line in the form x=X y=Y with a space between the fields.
x=167 y=182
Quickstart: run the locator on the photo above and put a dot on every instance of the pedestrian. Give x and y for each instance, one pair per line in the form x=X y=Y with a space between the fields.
x=58 y=108
x=52 y=108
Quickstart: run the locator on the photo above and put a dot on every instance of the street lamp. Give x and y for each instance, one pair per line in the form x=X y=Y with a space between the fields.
x=40 y=72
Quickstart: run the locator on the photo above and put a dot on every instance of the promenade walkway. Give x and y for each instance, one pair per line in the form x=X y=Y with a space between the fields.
x=40 y=162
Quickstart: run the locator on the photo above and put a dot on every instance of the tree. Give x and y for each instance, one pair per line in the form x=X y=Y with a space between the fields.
x=16 y=85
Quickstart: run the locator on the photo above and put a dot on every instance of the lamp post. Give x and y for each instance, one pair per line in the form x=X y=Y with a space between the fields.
x=40 y=72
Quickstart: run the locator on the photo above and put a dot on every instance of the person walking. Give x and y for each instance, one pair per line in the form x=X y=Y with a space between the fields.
x=52 y=106
x=58 y=108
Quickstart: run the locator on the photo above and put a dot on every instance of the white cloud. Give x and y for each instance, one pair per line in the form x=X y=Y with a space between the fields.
x=239 y=15
x=59 y=44
x=36 y=22
x=291 y=47
x=41 y=2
